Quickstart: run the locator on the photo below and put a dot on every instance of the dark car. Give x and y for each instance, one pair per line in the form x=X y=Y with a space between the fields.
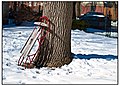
x=95 y=20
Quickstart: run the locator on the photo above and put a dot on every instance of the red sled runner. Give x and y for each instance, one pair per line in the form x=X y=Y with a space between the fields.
x=39 y=33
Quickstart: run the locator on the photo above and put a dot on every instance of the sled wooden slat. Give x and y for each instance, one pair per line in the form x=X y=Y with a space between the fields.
x=26 y=41
x=41 y=24
x=28 y=46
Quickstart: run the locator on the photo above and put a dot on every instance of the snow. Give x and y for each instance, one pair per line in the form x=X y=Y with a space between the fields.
x=114 y=23
x=89 y=43
x=113 y=33
x=95 y=60
x=99 y=15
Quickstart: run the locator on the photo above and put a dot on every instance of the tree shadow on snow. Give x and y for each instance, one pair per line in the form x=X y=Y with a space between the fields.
x=94 y=56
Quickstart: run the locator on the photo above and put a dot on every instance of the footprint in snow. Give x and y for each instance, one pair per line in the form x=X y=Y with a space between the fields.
x=34 y=77
x=20 y=82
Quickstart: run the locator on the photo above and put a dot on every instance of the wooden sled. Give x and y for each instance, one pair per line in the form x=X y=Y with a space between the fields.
x=34 y=36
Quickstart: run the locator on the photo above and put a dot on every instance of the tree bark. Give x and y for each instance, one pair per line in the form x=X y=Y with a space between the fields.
x=5 y=9
x=56 y=49
x=77 y=8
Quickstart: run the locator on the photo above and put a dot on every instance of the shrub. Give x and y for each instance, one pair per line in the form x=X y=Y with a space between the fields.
x=77 y=24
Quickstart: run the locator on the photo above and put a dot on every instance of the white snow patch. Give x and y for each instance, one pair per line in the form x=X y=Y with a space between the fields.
x=79 y=71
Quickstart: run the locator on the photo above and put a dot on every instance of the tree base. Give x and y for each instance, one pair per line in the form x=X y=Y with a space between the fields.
x=59 y=63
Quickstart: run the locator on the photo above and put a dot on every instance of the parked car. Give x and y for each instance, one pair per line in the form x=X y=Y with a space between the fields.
x=95 y=20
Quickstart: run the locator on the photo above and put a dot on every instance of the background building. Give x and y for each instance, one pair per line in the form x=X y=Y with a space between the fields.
x=28 y=10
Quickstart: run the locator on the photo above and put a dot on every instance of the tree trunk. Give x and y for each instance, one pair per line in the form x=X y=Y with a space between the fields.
x=5 y=9
x=77 y=8
x=15 y=5
x=56 y=49
x=5 y=12
x=74 y=11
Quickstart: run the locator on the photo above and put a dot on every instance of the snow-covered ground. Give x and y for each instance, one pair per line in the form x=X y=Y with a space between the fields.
x=114 y=23
x=95 y=60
